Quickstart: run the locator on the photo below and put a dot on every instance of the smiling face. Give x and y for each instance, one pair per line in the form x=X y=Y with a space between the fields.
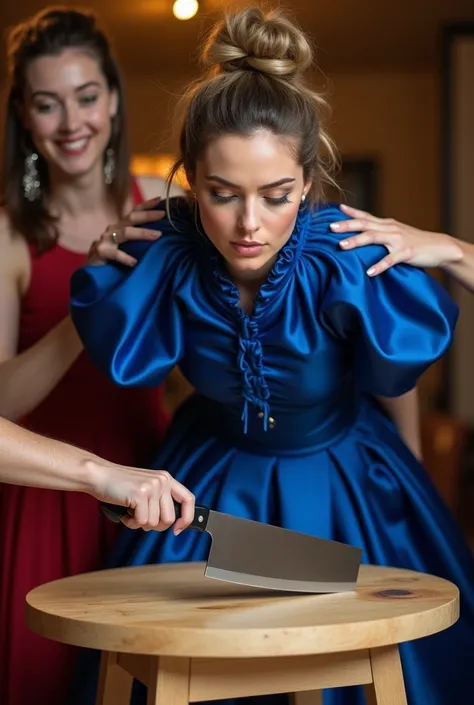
x=249 y=190
x=68 y=109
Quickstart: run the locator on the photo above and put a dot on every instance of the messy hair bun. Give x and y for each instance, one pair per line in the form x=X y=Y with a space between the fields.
x=251 y=40
x=254 y=79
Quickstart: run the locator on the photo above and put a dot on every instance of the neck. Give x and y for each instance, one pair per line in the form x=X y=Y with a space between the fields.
x=76 y=195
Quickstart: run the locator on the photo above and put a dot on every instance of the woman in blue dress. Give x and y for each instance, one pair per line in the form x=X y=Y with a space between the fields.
x=287 y=342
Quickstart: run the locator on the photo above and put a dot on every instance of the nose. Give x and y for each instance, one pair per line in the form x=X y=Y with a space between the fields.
x=248 y=219
x=70 y=118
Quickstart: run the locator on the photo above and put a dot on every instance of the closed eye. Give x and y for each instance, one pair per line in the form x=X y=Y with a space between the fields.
x=88 y=99
x=218 y=198
x=278 y=201
x=45 y=107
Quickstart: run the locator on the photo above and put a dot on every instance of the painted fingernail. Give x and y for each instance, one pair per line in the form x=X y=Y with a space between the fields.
x=335 y=226
x=344 y=243
x=177 y=532
x=371 y=271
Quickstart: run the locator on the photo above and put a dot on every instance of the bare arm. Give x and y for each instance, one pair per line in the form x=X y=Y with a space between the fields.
x=462 y=269
x=28 y=378
x=404 y=411
x=35 y=461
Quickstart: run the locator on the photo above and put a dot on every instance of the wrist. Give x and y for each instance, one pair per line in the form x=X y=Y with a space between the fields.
x=91 y=475
x=454 y=252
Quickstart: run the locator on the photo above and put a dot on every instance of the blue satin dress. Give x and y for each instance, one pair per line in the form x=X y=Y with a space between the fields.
x=285 y=427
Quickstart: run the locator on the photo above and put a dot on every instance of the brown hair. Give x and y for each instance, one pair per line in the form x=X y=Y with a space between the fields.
x=49 y=33
x=255 y=63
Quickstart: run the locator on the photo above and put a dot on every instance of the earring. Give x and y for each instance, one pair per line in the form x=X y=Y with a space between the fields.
x=109 y=166
x=31 y=181
x=303 y=198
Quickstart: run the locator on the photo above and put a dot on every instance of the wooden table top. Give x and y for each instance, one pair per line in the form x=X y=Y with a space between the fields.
x=174 y=610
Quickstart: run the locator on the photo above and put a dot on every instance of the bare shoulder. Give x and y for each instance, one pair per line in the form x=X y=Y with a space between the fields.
x=8 y=238
x=154 y=186
x=14 y=258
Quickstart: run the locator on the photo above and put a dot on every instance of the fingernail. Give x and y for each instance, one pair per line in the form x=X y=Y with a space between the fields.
x=371 y=271
x=335 y=226
x=177 y=532
x=343 y=206
x=344 y=243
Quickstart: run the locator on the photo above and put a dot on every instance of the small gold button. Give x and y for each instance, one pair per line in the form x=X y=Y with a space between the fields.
x=271 y=422
x=260 y=414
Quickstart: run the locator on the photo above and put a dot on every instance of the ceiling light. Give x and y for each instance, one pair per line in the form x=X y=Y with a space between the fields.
x=185 y=9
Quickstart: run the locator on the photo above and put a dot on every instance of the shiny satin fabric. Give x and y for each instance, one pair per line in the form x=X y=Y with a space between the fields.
x=284 y=427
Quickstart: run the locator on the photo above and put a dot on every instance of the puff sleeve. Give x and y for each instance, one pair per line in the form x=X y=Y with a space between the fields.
x=129 y=320
x=399 y=323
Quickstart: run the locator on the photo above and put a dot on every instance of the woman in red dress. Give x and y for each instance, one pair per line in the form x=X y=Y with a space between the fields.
x=65 y=177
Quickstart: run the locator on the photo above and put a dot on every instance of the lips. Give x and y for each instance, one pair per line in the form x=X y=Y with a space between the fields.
x=73 y=147
x=247 y=243
x=248 y=249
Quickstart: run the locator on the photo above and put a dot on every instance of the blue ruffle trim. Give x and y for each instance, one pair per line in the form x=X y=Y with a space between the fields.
x=250 y=360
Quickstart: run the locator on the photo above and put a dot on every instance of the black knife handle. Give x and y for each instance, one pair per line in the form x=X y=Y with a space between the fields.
x=115 y=513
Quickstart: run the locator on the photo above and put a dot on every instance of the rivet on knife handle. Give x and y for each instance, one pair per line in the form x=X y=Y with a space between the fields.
x=201 y=516
x=115 y=513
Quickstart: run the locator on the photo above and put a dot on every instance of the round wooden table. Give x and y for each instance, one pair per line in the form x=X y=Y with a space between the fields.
x=190 y=639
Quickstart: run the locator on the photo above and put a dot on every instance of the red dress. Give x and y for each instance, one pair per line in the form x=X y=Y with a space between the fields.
x=46 y=534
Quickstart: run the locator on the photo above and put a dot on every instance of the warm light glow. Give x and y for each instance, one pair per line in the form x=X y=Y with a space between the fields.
x=159 y=165
x=185 y=9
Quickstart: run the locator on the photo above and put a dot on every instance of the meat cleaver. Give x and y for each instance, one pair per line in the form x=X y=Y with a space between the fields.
x=259 y=555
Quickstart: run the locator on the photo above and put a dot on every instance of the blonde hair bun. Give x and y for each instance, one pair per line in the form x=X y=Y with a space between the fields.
x=267 y=42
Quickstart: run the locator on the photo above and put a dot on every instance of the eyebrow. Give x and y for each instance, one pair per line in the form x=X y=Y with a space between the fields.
x=51 y=94
x=274 y=184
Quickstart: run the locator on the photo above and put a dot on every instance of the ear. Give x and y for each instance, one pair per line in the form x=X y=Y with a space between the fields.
x=306 y=188
x=113 y=103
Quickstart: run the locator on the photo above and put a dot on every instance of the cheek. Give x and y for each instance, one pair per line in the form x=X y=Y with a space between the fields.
x=281 y=224
x=99 y=118
x=217 y=221
x=44 y=126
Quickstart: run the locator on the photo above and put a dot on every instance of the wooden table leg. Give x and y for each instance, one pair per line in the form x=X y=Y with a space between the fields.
x=115 y=684
x=169 y=681
x=388 y=687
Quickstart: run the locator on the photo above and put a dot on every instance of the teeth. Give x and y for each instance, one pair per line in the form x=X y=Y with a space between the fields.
x=73 y=146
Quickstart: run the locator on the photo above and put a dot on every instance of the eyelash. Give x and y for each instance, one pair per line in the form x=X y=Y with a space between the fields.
x=272 y=201
x=89 y=99
x=84 y=101
x=46 y=108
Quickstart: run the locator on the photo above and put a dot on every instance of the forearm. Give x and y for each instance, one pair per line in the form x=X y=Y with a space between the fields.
x=27 y=379
x=463 y=269
x=404 y=411
x=35 y=461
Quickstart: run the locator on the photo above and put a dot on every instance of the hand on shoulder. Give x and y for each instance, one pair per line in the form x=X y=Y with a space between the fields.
x=404 y=243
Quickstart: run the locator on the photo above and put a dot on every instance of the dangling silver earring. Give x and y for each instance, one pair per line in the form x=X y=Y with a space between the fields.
x=109 y=166
x=31 y=180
